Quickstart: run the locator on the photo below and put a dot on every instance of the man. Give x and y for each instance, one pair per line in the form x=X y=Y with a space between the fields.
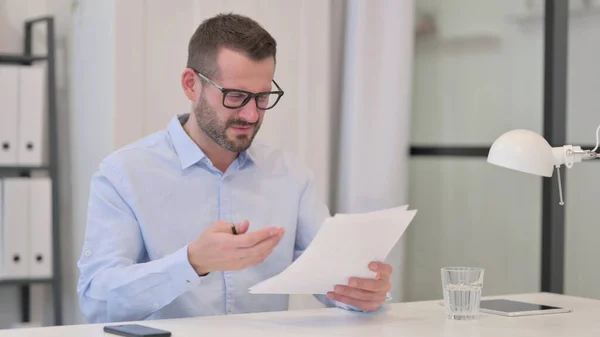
x=182 y=222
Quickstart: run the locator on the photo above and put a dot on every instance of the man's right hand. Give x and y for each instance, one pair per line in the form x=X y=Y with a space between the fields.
x=218 y=249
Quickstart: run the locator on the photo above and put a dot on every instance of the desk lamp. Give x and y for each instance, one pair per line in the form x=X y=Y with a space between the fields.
x=527 y=151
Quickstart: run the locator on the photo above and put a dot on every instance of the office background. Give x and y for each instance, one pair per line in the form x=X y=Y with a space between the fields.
x=365 y=81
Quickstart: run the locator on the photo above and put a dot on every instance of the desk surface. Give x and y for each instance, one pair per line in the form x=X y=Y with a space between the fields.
x=404 y=319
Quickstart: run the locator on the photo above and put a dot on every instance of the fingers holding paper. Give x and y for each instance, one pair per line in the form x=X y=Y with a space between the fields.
x=365 y=294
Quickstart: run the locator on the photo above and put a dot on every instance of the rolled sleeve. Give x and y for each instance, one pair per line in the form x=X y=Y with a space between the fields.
x=115 y=282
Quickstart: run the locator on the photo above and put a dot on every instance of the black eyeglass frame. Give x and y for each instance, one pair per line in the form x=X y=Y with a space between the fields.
x=249 y=95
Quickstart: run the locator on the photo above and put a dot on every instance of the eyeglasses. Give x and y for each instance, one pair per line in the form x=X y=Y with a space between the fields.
x=235 y=98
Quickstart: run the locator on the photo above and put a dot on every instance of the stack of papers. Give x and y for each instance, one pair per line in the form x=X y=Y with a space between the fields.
x=343 y=248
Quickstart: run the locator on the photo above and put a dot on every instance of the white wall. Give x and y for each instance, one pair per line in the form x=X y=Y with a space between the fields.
x=149 y=60
x=302 y=31
x=92 y=125
x=375 y=114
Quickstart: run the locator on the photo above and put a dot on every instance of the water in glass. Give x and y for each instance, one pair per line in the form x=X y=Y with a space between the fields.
x=462 y=292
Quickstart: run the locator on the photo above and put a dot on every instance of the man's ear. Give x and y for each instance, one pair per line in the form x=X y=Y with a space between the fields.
x=190 y=85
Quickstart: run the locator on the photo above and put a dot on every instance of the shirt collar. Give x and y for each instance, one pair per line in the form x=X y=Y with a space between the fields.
x=188 y=152
x=245 y=157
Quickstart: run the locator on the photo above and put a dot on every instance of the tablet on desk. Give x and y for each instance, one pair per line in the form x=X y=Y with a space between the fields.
x=515 y=308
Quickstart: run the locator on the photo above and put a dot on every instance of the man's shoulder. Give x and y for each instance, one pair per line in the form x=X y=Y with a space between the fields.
x=153 y=147
x=278 y=159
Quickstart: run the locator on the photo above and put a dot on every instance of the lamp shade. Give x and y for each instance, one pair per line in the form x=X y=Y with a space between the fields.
x=523 y=150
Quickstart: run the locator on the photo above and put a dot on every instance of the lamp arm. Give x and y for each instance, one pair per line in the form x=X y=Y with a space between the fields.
x=576 y=153
x=597 y=140
x=568 y=155
x=560 y=192
x=587 y=155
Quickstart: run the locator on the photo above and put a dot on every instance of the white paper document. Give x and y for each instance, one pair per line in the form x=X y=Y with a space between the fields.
x=343 y=248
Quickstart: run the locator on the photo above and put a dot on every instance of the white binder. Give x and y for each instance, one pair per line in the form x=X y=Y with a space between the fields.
x=2 y=271
x=15 y=228
x=9 y=107
x=40 y=227
x=32 y=116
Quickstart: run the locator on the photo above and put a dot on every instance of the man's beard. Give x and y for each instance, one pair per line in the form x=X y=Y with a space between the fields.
x=208 y=122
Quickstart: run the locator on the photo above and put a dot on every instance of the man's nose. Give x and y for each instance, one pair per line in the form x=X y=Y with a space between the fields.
x=249 y=112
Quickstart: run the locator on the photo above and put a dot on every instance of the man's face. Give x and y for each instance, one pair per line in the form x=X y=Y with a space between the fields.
x=233 y=129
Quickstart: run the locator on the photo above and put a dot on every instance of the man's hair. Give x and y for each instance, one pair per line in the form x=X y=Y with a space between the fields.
x=231 y=31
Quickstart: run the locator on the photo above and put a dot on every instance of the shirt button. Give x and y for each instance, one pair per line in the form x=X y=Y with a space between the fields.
x=156 y=306
x=88 y=253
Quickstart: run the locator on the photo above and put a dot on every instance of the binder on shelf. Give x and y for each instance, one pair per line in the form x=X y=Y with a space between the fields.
x=32 y=117
x=40 y=227
x=15 y=228
x=9 y=107
x=1 y=228
x=29 y=128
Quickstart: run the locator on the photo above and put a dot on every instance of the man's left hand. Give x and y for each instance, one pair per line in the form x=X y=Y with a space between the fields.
x=365 y=294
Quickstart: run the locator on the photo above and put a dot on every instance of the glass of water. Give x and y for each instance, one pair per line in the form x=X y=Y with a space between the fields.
x=462 y=292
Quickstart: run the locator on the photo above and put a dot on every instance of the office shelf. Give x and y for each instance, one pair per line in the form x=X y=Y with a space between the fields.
x=459 y=150
x=463 y=151
x=20 y=59
x=539 y=15
x=25 y=59
x=10 y=170
x=26 y=281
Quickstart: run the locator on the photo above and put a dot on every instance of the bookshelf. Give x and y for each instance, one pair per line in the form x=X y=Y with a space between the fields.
x=28 y=58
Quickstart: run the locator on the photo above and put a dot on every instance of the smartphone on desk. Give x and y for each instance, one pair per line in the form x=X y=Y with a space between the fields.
x=136 y=330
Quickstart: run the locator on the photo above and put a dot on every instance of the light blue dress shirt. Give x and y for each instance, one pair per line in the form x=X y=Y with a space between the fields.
x=152 y=198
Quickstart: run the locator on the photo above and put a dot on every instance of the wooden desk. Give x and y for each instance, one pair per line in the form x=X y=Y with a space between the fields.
x=404 y=319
